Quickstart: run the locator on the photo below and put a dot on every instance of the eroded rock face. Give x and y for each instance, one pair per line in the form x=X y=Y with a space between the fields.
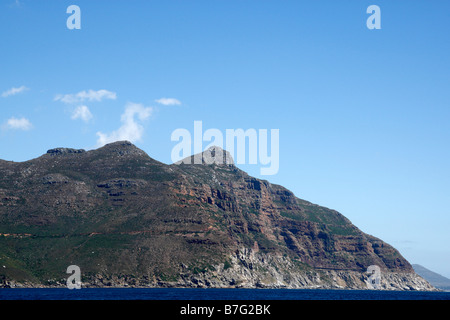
x=61 y=151
x=128 y=220
x=248 y=268
x=212 y=155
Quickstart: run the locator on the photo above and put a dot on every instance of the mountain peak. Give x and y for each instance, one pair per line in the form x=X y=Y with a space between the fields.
x=123 y=147
x=124 y=143
x=212 y=155
x=181 y=226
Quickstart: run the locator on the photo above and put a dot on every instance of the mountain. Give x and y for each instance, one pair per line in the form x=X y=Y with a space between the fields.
x=433 y=278
x=128 y=220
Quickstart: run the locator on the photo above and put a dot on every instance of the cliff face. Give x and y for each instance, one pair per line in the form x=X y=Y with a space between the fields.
x=126 y=219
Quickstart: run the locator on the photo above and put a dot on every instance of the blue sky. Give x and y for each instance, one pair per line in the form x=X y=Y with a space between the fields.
x=363 y=114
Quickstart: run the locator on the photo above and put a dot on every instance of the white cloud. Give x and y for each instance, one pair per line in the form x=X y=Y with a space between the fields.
x=15 y=3
x=82 y=96
x=83 y=113
x=130 y=129
x=168 y=101
x=18 y=124
x=14 y=91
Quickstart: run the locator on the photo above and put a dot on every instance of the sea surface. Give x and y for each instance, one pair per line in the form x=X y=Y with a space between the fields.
x=213 y=294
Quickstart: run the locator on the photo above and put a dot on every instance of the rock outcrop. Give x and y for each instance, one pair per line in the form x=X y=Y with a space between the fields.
x=59 y=151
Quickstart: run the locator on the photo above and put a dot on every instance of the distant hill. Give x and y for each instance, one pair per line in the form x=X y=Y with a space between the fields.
x=433 y=278
x=128 y=220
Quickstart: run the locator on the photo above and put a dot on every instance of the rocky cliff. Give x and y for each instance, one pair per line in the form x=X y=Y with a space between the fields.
x=128 y=220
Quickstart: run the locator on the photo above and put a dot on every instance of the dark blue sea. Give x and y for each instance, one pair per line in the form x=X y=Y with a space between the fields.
x=214 y=294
